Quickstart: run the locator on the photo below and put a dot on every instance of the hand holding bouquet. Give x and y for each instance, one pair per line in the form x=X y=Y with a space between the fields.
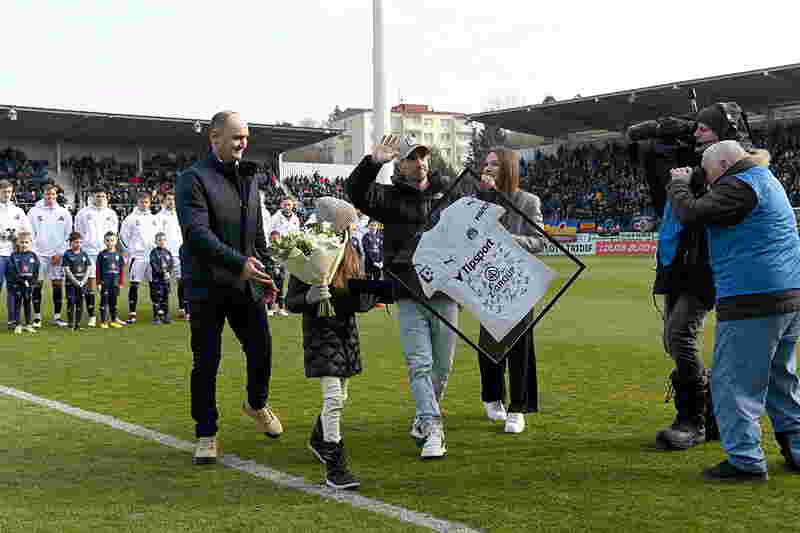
x=312 y=256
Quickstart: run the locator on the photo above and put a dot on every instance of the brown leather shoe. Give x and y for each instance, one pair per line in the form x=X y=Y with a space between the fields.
x=266 y=421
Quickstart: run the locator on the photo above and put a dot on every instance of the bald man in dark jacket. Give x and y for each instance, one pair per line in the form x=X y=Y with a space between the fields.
x=219 y=212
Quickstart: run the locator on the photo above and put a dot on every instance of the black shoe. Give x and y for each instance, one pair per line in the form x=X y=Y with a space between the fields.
x=727 y=473
x=341 y=478
x=156 y=321
x=338 y=476
x=167 y=320
x=681 y=435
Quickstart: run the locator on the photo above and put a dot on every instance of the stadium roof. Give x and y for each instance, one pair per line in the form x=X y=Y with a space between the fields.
x=139 y=130
x=755 y=91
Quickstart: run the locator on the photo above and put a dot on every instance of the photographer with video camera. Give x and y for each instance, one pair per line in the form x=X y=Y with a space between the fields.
x=683 y=274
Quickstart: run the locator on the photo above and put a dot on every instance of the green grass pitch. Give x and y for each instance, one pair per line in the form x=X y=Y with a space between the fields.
x=587 y=461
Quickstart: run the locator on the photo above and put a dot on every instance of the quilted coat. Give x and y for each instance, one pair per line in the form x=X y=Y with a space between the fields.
x=331 y=345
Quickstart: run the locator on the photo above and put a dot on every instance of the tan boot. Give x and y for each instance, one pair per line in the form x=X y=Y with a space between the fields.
x=206 y=451
x=266 y=421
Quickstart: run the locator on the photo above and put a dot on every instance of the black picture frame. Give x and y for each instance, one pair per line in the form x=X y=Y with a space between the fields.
x=507 y=204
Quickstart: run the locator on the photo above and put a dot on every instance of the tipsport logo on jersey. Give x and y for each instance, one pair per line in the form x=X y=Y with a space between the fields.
x=495 y=274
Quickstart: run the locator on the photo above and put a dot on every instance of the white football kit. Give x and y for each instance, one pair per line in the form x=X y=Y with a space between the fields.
x=93 y=223
x=472 y=258
x=51 y=229
x=138 y=236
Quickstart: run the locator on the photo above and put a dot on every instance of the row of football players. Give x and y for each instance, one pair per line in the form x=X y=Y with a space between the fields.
x=51 y=226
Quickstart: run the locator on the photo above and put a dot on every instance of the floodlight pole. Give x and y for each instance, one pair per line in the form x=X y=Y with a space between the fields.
x=380 y=110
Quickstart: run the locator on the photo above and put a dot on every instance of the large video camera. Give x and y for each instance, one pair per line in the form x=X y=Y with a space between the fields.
x=663 y=144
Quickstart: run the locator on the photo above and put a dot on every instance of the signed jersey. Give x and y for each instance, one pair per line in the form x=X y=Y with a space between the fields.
x=473 y=259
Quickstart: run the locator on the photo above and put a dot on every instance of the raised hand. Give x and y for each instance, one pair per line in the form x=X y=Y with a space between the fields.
x=387 y=150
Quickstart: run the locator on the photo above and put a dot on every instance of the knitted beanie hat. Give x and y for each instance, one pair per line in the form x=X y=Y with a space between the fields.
x=336 y=211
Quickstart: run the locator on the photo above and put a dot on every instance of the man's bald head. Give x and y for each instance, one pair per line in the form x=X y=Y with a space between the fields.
x=719 y=157
x=229 y=134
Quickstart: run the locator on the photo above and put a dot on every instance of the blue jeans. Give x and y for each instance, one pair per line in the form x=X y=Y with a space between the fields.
x=429 y=346
x=10 y=296
x=755 y=367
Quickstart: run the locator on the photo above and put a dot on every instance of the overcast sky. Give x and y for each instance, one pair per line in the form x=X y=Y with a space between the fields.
x=277 y=60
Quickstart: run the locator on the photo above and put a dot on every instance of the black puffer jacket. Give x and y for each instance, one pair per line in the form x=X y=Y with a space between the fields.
x=404 y=210
x=330 y=344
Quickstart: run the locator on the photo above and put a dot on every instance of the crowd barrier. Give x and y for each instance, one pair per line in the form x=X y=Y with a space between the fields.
x=602 y=246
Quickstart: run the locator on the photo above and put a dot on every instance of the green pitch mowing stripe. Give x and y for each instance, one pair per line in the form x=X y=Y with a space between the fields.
x=251 y=467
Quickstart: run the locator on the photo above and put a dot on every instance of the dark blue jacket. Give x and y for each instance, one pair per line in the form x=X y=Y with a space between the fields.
x=110 y=268
x=77 y=264
x=23 y=267
x=219 y=211
x=161 y=264
x=373 y=248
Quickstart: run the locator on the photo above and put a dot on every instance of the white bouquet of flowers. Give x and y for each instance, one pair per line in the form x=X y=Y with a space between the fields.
x=312 y=256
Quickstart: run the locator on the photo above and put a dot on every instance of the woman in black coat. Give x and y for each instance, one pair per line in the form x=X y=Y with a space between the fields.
x=331 y=348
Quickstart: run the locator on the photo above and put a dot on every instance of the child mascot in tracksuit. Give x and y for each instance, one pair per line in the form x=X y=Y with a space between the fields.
x=162 y=267
x=111 y=276
x=76 y=269
x=22 y=276
x=331 y=344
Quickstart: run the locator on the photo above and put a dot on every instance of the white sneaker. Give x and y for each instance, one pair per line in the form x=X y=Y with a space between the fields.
x=434 y=447
x=283 y=312
x=18 y=330
x=30 y=329
x=205 y=451
x=92 y=322
x=270 y=313
x=496 y=411
x=515 y=423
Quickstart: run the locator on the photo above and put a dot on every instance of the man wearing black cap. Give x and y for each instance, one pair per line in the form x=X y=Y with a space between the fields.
x=684 y=278
x=405 y=209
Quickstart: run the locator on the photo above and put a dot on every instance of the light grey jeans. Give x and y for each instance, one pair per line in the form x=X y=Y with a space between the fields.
x=429 y=346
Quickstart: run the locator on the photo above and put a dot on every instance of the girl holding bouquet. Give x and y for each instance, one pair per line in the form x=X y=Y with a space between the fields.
x=331 y=343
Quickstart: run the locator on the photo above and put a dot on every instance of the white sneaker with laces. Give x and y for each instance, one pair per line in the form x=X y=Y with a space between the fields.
x=434 y=447
x=92 y=322
x=496 y=411
x=515 y=423
x=206 y=451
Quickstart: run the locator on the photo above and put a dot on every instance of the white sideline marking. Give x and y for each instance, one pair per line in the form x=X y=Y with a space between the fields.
x=281 y=479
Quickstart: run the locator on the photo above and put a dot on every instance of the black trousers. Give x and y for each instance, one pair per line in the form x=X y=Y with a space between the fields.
x=522 y=386
x=373 y=272
x=109 y=295
x=74 y=304
x=159 y=296
x=248 y=320
x=22 y=302
x=683 y=319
